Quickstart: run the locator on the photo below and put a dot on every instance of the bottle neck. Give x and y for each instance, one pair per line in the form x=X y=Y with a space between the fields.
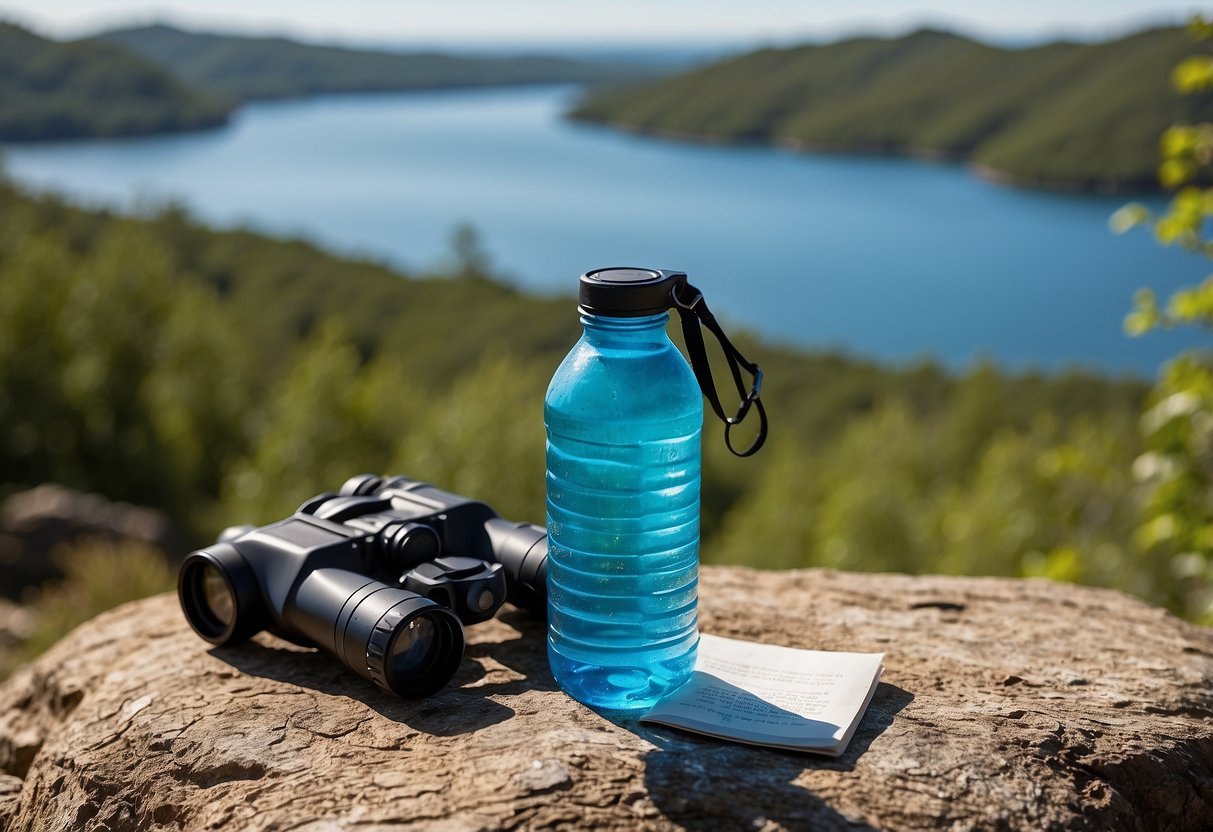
x=601 y=330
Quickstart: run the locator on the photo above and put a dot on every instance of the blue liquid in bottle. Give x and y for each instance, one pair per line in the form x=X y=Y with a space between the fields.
x=624 y=416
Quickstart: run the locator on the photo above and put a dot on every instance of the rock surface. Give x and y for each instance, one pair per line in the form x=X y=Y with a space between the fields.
x=1005 y=705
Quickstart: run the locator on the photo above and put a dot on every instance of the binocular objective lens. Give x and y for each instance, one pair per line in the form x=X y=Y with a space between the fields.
x=414 y=647
x=217 y=595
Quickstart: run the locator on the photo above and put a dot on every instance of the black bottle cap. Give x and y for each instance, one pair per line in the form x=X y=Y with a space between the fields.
x=628 y=292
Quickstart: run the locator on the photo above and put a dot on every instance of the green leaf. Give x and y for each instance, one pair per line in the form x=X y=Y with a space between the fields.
x=1193 y=74
x=1179 y=140
x=1174 y=172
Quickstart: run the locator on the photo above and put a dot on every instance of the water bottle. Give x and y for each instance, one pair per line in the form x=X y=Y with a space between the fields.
x=624 y=415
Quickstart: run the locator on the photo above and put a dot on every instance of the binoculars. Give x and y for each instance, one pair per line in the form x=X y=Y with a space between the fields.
x=383 y=575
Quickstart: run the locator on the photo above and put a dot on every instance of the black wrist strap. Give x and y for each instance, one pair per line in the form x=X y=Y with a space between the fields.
x=694 y=312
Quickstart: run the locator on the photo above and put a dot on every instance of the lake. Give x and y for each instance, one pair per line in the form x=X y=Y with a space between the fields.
x=887 y=258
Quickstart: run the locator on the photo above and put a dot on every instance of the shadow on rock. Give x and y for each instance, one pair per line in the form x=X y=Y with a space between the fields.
x=534 y=675
x=525 y=656
x=706 y=784
x=456 y=709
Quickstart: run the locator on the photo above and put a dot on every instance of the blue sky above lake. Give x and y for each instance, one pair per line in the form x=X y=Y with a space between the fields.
x=561 y=23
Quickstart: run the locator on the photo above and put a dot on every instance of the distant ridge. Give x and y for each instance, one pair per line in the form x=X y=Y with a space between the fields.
x=54 y=90
x=1061 y=115
x=274 y=67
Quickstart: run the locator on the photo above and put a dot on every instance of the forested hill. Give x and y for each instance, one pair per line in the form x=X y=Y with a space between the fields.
x=1061 y=115
x=250 y=68
x=225 y=377
x=53 y=90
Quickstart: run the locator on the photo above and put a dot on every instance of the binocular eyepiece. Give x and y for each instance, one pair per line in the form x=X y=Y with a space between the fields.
x=365 y=575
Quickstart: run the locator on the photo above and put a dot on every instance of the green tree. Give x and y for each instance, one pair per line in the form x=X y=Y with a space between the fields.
x=484 y=439
x=948 y=492
x=330 y=417
x=468 y=258
x=1177 y=466
x=115 y=375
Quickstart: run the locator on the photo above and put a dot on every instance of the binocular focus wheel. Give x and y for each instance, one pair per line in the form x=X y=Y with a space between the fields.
x=360 y=485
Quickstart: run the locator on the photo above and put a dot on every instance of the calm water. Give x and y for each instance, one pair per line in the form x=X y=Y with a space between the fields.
x=888 y=258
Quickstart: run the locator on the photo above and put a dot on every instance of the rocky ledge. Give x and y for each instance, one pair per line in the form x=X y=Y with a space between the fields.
x=1005 y=705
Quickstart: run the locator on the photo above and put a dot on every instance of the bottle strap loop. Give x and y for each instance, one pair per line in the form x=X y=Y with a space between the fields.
x=695 y=315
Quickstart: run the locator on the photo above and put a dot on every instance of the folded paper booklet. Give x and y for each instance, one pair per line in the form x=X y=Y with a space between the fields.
x=761 y=694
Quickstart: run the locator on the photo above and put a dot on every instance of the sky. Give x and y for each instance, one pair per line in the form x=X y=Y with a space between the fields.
x=638 y=22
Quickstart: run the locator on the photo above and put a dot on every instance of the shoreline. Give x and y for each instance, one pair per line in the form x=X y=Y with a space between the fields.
x=77 y=138
x=236 y=105
x=980 y=170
